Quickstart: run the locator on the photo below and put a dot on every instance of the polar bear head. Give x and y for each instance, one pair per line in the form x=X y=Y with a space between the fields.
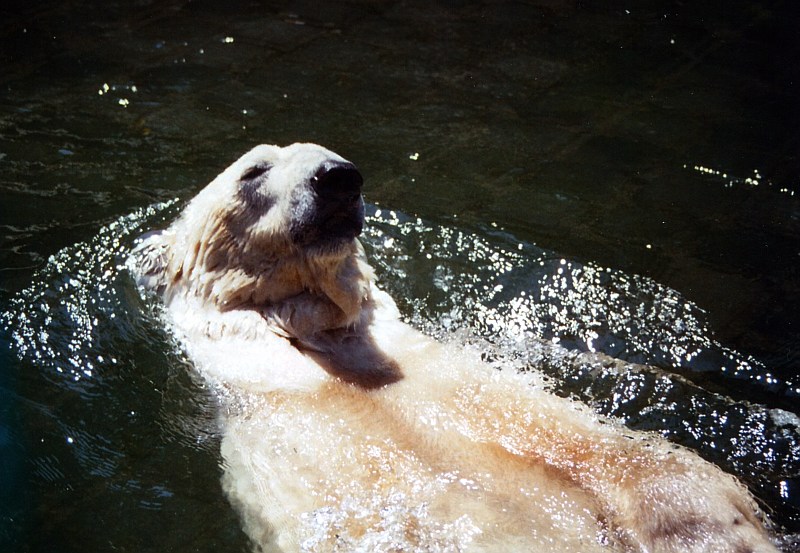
x=276 y=231
x=301 y=199
x=298 y=199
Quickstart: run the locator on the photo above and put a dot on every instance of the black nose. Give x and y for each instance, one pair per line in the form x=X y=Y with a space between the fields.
x=338 y=181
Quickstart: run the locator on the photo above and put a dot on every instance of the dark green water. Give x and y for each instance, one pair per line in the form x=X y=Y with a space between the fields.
x=652 y=146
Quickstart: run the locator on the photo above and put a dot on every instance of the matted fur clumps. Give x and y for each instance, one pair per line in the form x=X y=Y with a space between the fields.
x=345 y=429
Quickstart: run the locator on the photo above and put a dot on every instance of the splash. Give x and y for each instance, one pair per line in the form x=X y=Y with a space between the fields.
x=624 y=344
x=60 y=321
x=502 y=287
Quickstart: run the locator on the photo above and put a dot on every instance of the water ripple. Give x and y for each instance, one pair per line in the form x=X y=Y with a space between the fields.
x=626 y=345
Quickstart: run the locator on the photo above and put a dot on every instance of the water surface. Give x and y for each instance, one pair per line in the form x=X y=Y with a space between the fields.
x=553 y=180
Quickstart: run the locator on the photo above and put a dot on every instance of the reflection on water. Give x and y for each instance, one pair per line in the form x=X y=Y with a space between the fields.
x=518 y=291
x=547 y=313
x=756 y=179
x=114 y=441
x=116 y=417
x=575 y=126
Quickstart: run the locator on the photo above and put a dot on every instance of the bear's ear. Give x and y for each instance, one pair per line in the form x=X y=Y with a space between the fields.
x=149 y=260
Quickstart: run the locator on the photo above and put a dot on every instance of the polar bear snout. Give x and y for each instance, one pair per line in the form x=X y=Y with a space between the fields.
x=341 y=210
x=330 y=210
x=338 y=181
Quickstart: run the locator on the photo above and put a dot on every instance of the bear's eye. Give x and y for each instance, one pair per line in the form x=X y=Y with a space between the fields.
x=255 y=171
x=251 y=188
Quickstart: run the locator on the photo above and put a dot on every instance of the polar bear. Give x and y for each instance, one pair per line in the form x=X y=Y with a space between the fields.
x=345 y=429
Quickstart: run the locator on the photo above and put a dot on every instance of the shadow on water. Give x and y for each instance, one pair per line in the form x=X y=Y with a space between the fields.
x=564 y=180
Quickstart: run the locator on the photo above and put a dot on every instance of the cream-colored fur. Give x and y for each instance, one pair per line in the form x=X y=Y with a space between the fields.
x=344 y=429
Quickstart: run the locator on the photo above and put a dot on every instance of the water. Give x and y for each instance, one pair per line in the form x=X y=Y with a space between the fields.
x=586 y=178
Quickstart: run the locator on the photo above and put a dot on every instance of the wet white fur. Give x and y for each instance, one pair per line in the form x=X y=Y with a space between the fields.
x=347 y=430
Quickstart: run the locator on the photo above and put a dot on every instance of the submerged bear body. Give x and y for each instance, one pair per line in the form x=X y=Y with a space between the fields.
x=345 y=429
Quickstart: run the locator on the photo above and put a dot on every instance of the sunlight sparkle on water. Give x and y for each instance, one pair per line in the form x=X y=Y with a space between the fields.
x=755 y=179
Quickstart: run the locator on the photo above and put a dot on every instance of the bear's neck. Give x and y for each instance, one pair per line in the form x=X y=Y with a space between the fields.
x=256 y=282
